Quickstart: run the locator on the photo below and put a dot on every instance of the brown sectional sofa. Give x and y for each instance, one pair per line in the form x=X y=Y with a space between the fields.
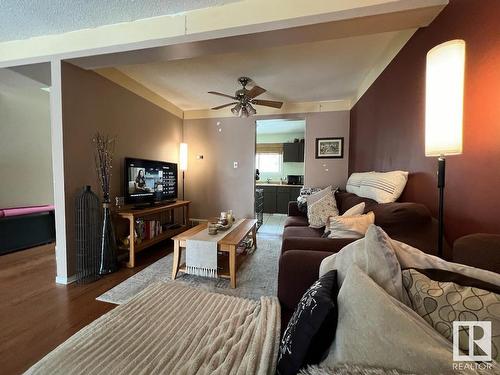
x=303 y=248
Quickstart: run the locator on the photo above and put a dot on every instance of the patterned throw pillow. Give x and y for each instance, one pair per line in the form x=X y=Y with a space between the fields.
x=319 y=211
x=442 y=302
x=311 y=329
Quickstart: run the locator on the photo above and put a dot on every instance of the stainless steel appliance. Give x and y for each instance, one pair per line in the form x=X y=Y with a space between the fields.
x=295 y=179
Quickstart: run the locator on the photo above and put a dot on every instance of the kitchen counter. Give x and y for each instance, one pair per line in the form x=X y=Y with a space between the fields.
x=258 y=184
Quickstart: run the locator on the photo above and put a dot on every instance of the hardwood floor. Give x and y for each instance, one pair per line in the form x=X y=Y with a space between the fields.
x=36 y=314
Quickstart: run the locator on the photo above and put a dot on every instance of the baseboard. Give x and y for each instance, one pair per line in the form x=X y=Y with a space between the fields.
x=65 y=280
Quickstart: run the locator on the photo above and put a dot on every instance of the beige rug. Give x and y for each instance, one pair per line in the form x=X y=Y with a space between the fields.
x=173 y=329
x=257 y=276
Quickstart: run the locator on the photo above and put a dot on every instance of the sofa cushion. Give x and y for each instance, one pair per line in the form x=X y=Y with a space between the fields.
x=478 y=250
x=296 y=221
x=346 y=200
x=377 y=330
x=301 y=231
x=311 y=328
x=374 y=254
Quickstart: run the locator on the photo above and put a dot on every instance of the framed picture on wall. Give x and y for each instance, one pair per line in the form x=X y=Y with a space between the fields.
x=330 y=148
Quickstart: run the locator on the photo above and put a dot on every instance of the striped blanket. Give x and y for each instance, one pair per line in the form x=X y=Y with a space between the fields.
x=173 y=329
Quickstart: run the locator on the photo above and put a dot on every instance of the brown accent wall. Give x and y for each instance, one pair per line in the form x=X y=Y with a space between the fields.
x=92 y=103
x=387 y=123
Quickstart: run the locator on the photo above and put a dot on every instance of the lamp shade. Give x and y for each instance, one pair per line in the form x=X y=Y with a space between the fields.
x=444 y=99
x=183 y=156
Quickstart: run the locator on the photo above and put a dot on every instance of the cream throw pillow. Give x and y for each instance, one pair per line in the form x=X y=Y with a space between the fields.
x=376 y=330
x=319 y=212
x=375 y=256
x=410 y=257
x=358 y=209
x=350 y=226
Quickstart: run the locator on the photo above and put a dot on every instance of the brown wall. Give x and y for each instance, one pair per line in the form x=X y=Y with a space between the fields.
x=92 y=103
x=214 y=185
x=387 y=124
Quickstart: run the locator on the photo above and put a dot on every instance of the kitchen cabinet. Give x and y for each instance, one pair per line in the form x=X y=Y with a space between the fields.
x=269 y=199
x=293 y=152
x=282 y=199
x=276 y=198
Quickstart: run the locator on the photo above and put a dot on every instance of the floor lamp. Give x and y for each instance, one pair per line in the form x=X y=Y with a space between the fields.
x=183 y=161
x=444 y=96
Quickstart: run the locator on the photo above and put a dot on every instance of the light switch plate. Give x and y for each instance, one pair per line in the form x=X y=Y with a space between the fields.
x=235 y=164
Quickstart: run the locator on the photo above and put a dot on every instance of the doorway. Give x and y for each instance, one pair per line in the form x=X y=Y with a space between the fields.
x=279 y=170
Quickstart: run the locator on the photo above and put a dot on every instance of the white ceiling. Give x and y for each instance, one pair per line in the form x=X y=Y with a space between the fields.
x=280 y=126
x=21 y=19
x=318 y=71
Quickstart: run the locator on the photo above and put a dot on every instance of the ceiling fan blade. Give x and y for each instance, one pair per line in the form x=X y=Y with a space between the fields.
x=221 y=94
x=267 y=103
x=224 y=105
x=255 y=91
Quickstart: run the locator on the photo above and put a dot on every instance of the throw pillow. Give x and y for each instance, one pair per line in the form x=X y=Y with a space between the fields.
x=383 y=187
x=358 y=209
x=410 y=257
x=319 y=211
x=440 y=303
x=311 y=329
x=375 y=256
x=350 y=226
x=311 y=199
x=354 y=182
x=376 y=330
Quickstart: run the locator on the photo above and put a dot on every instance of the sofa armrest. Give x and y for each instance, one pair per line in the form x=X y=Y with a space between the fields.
x=293 y=209
x=298 y=270
x=478 y=250
x=331 y=245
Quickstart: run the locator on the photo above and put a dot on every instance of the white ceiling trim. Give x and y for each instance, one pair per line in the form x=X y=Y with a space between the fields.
x=208 y=23
x=288 y=108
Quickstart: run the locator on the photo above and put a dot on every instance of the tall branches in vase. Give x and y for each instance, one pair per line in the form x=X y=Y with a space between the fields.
x=104 y=150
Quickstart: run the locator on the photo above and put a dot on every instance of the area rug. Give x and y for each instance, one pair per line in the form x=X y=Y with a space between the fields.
x=172 y=329
x=256 y=277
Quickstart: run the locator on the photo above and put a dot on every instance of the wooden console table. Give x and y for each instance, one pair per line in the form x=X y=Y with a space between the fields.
x=132 y=215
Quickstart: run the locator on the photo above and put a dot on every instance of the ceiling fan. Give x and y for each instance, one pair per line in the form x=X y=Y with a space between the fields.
x=245 y=99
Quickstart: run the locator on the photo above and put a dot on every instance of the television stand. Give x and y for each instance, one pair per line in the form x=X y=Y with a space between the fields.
x=142 y=206
x=132 y=214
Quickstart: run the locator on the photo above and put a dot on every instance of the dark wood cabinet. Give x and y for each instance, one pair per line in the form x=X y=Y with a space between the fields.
x=293 y=152
x=294 y=193
x=269 y=199
x=276 y=198
x=282 y=199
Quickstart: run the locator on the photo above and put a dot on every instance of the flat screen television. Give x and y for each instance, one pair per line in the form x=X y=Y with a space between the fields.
x=149 y=181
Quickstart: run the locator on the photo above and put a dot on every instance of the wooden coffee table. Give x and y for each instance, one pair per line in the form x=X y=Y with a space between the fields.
x=227 y=244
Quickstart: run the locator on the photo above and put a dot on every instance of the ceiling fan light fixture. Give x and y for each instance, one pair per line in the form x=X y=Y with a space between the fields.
x=236 y=109
x=251 y=109
x=244 y=112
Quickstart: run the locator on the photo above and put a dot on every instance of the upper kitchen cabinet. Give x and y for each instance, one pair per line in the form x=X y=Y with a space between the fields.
x=293 y=152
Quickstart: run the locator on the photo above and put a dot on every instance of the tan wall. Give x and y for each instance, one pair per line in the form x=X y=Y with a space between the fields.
x=324 y=172
x=92 y=103
x=214 y=185
x=25 y=147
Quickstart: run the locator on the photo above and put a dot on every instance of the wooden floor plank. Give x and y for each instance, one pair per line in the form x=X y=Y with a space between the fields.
x=36 y=314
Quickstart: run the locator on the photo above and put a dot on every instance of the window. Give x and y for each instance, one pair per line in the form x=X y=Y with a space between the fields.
x=268 y=162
